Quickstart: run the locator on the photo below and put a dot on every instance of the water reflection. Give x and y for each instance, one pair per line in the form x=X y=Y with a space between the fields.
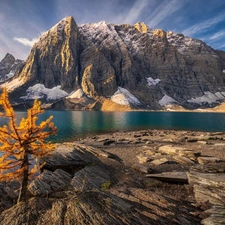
x=120 y=119
x=76 y=124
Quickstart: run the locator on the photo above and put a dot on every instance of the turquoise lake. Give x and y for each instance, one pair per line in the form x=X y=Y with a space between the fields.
x=77 y=124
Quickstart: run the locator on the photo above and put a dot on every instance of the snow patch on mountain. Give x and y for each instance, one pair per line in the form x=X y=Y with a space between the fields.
x=167 y=100
x=186 y=45
x=123 y=97
x=39 y=91
x=7 y=76
x=180 y=41
x=107 y=34
x=208 y=97
x=95 y=30
x=77 y=94
x=152 y=82
x=223 y=71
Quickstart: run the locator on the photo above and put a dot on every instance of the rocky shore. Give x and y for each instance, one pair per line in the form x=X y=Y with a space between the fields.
x=139 y=177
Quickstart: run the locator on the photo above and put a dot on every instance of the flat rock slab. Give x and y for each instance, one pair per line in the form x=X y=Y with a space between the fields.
x=169 y=149
x=159 y=161
x=183 y=160
x=174 y=177
x=143 y=158
x=219 y=144
x=102 y=139
x=202 y=142
x=208 y=159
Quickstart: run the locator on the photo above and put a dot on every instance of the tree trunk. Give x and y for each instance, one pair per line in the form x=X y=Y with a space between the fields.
x=23 y=188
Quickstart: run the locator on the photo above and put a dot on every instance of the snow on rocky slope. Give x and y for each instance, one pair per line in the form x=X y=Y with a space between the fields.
x=39 y=91
x=124 y=97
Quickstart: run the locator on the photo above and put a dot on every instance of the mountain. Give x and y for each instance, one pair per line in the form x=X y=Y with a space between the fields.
x=129 y=66
x=8 y=67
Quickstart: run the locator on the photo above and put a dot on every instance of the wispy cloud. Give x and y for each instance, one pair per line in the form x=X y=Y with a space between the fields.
x=165 y=9
x=1 y=17
x=219 y=45
x=135 y=11
x=26 y=41
x=203 y=26
x=217 y=36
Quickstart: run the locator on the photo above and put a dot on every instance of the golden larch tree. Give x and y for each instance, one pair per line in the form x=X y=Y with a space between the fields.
x=21 y=142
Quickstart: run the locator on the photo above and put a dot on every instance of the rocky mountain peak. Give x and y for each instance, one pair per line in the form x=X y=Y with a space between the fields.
x=155 y=67
x=58 y=32
x=8 y=59
x=8 y=67
x=53 y=59
x=141 y=27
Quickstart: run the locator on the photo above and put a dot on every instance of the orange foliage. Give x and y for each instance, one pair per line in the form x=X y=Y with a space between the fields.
x=19 y=142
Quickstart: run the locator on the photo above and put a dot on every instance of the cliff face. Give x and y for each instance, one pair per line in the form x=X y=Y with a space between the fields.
x=54 y=59
x=155 y=67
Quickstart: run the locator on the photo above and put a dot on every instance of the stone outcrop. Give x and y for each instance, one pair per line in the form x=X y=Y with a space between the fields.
x=155 y=66
x=111 y=179
x=208 y=185
x=90 y=195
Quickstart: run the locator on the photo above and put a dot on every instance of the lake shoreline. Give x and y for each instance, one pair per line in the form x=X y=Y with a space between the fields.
x=136 y=176
x=211 y=143
x=162 y=151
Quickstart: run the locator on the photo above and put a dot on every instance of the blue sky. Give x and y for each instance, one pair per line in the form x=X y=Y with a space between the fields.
x=23 y=21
